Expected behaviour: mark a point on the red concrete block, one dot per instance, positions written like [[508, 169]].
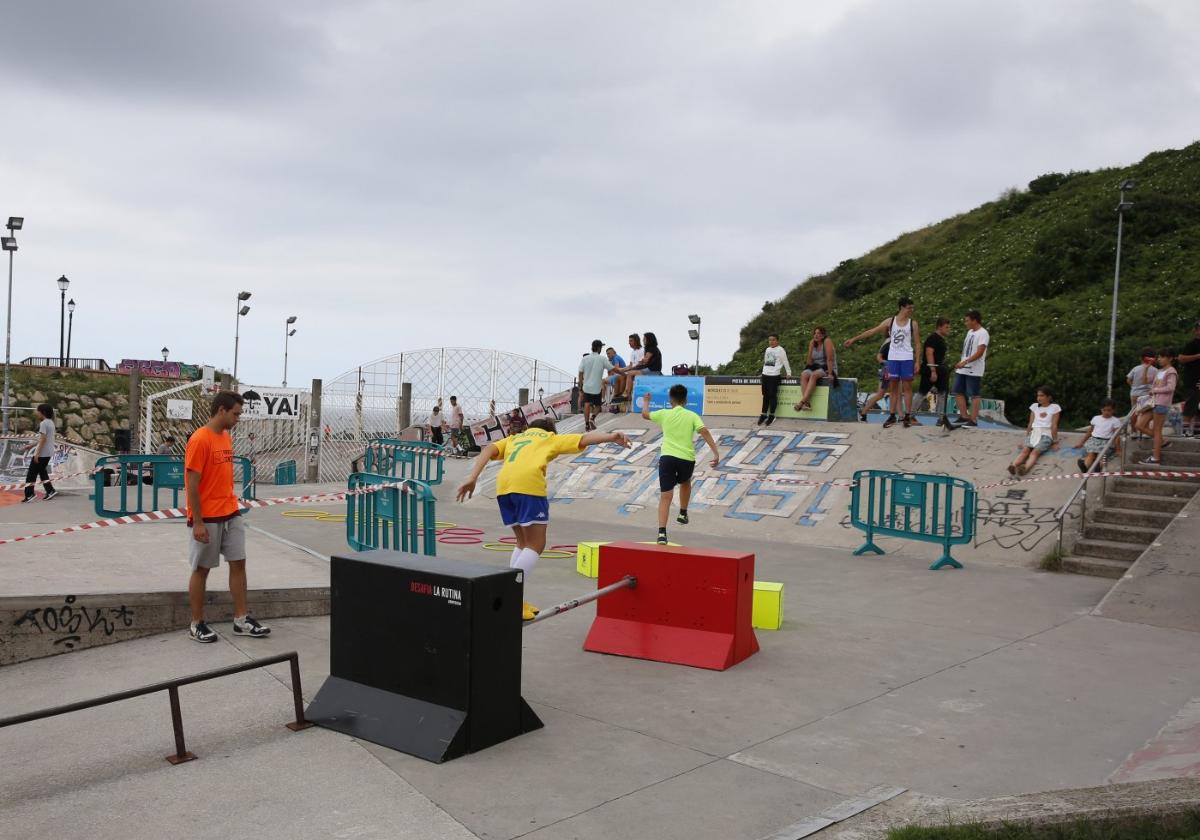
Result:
[[691, 606]]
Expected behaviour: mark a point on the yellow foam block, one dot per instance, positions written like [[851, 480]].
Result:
[[768, 605], [587, 558]]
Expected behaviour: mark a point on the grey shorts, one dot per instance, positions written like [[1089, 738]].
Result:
[[227, 539]]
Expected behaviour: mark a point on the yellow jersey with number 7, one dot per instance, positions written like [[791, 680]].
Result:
[[525, 457]]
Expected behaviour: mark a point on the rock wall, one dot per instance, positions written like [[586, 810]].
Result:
[[88, 407]]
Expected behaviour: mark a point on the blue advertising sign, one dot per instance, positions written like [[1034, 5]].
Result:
[[657, 387]]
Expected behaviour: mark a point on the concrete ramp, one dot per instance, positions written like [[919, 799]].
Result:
[[743, 498]]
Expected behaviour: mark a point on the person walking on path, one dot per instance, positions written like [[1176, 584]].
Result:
[[968, 377], [592, 369], [521, 486], [775, 364], [168, 444], [1162, 391], [820, 364], [458, 445], [215, 526], [1189, 363], [43, 451], [935, 376], [677, 457], [904, 335]]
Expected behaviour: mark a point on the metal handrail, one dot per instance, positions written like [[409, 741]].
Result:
[[172, 689], [1100, 459]]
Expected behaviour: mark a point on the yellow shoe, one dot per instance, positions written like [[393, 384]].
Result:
[[528, 611]]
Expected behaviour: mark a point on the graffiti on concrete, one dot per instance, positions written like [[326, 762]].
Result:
[[69, 621], [741, 487]]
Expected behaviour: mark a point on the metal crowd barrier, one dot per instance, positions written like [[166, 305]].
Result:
[[285, 472], [399, 518], [415, 459], [155, 473], [929, 508]]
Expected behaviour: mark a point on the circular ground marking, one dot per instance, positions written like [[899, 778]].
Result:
[[303, 514], [457, 531], [459, 539], [571, 547], [445, 524], [551, 554], [509, 540], [497, 546]]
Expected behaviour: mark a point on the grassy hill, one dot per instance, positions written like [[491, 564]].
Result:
[[1038, 263]]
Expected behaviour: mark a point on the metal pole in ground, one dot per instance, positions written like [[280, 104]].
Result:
[[627, 582]]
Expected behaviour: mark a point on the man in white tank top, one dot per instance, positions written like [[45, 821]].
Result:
[[904, 335]]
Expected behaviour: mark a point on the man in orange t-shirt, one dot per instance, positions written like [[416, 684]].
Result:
[[214, 518]]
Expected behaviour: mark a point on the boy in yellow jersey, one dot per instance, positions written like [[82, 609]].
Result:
[[521, 485], [677, 459]]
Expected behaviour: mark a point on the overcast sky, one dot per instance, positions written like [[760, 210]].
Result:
[[527, 175]]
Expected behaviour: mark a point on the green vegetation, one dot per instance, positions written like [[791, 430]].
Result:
[[88, 407], [1184, 826], [1038, 263], [1052, 560]]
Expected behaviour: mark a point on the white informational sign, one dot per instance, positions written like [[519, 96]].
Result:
[[179, 409], [209, 379], [270, 404]]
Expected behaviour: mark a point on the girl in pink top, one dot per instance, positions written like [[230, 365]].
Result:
[[1162, 391]]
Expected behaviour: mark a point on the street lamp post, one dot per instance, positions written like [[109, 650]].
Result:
[[241, 310], [70, 326], [9, 243], [287, 333], [63, 282], [166, 352], [694, 335], [1122, 206]]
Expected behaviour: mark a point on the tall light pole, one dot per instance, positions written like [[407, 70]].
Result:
[[166, 352], [1122, 206], [694, 335], [287, 333], [9, 243], [63, 282], [70, 326], [237, 325]]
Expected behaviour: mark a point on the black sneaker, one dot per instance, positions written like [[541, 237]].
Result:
[[51, 495], [908, 420], [1079, 462], [662, 538], [913, 420], [770, 419], [202, 633], [250, 626], [27, 499], [762, 418], [682, 518], [890, 421], [970, 424], [862, 415]]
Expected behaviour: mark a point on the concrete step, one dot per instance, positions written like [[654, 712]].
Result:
[[1172, 488], [1173, 456], [1139, 516], [1095, 566], [1145, 502], [1108, 549], [1121, 533]]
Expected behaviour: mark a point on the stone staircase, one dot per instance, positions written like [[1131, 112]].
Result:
[[1133, 511]]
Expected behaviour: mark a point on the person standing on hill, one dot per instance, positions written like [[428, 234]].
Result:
[[592, 369], [1162, 392], [968, 377], [935, 376], [904, 335], [775, 364], [43, 451], [1189, 363]]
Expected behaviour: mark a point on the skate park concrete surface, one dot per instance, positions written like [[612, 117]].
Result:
[[989, 681]]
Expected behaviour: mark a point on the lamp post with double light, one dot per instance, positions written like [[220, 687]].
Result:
[[63, 282], [1122, 207], [288, 332], [694, 335], [9, 243], [237, 326]]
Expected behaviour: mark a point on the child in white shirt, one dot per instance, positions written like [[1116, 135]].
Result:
[[1042, 430], [1104, 427]]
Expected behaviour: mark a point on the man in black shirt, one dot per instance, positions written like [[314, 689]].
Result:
[[1189, 364], [934, 373]]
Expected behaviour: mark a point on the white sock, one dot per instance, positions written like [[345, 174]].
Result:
[[526, 561], [512, 561]]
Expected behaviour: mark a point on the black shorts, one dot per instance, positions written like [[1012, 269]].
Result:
[[591, 399], [673, 471]]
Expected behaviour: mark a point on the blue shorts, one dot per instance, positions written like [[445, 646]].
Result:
[[522, 509], [901, 369], [1162, 409], [967, 385], [612, 380]]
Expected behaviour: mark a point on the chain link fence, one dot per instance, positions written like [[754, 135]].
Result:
[[369, 401]]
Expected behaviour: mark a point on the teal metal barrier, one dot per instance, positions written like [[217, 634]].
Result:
[[285, 472], [148, 475], [930, 508], [415, 459], [402, 519]]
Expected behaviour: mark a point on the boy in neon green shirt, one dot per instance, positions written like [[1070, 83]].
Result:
[[677, 459], [521, 485]]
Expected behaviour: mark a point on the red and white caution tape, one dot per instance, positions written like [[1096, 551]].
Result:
[[400, 447], [178, 513], [1118, 474], [53, 478]]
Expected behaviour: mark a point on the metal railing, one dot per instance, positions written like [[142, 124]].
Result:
[[158, 472], [415, 459], [1098, 464], [930, 508], [52, 361], [172, 688], [401, 517]]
